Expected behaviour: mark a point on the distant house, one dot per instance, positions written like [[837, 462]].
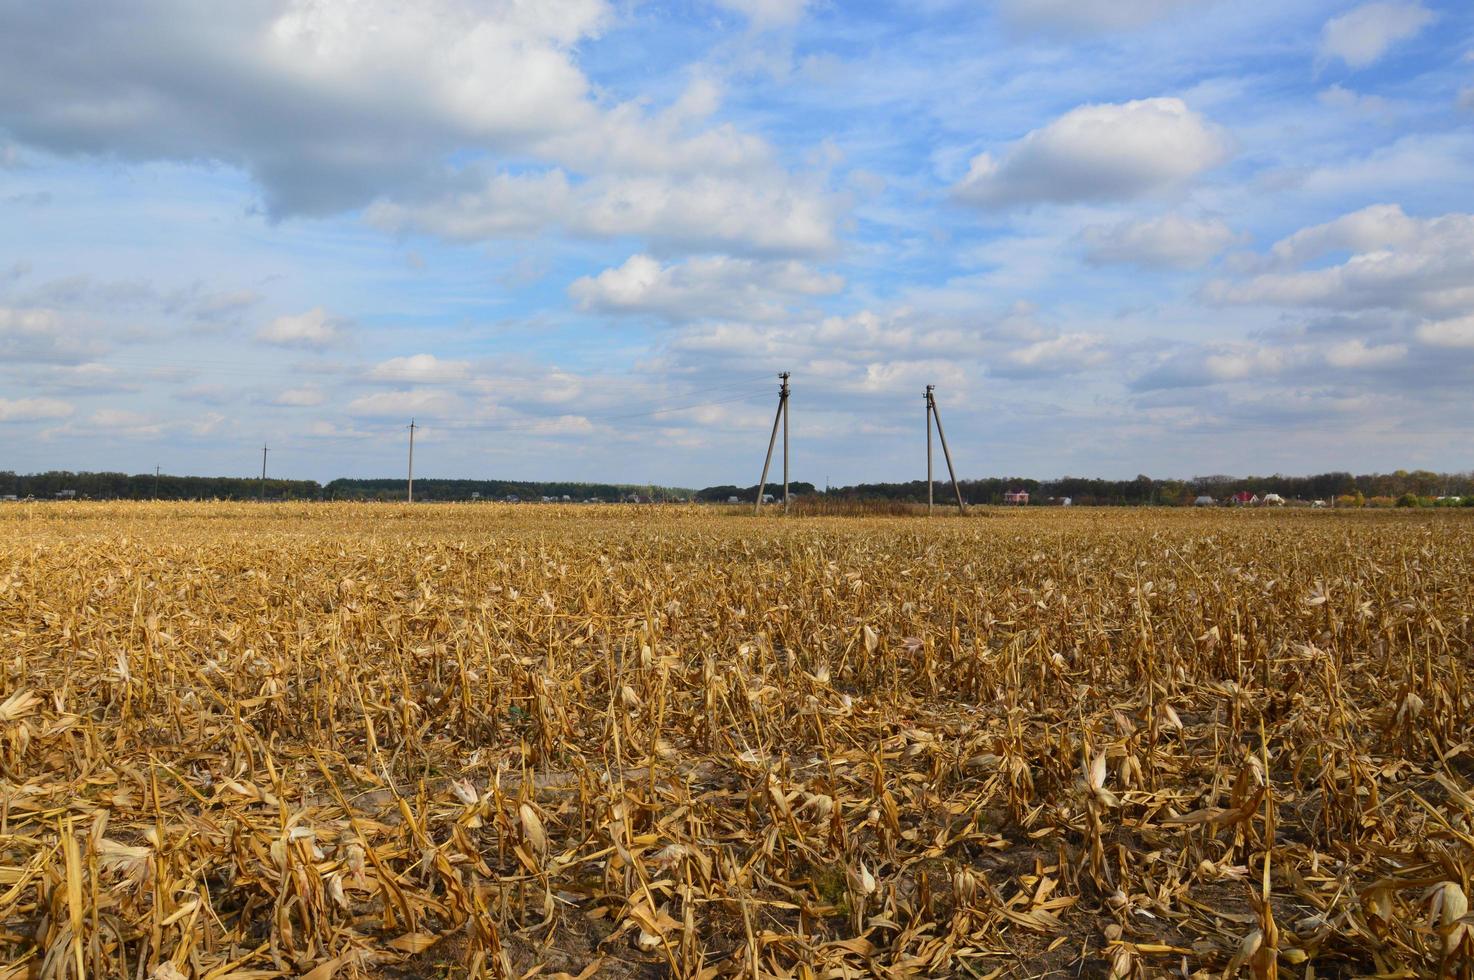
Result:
[[1271, 500], [734, 500], [66, 495], [1244, 499], [1017, 498], [1205, 501]]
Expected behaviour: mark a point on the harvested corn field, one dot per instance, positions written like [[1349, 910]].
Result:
[[378, 741]]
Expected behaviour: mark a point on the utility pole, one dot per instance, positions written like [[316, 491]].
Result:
[[929, 502], [411, 494], [933, 413], [784, 396], [263, 473], [781, 416], [156, 481]]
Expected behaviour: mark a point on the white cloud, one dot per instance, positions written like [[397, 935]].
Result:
[[1408, 165], [224, 305], [1218, 364], [767, 13], [324, 103], [122, 421], [304, 397], [403, 404], [32, 334], [701, 288], [207, 424], [1342, 98], [1362, 36], [1084, 16], [328, 430], [314, 329], [1066, 354], [1358, 353], [1457, 332], [1416, 265], [1374, 227], [420, 368], [1096, 153], [33, 409], [1171, 240], [769, 214], [330, 105]]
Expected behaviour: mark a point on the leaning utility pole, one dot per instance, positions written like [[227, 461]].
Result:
[[411, 494], [156, 482], [933, 414], [263, 473], [782, 416]]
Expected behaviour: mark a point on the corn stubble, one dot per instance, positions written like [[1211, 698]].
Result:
[[342, 741]]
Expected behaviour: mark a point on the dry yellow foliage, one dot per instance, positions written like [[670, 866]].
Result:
[[378, 741]]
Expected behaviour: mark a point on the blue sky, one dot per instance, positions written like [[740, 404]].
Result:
[[577, 239]]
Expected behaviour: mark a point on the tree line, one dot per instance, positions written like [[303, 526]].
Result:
[[148, 486], [1344, 488], [1340, 487]]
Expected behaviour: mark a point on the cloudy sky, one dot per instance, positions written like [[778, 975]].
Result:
[[578, 238]]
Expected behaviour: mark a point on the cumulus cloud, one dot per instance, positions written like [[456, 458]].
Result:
[[1362, 36], [1375, 227], [765, 216], [701, 288], [304, 397], [1066, 354], [119, 422], [322, 429], [1218, 363], [1456, 332], [1357, 353], [33, 409], [31, 334], [767, 13], [1099, 152], [322, 102], [1423, 266], [314, 329], [403, 404], [420, 368], [1087, 16], [330, 105], [1171, 241]]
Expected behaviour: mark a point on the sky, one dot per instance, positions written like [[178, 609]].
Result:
[[578, 239]]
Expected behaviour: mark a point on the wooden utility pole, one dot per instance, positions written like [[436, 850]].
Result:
[[263, 473], [411, 494], [933, 414], [156, 482], [781, 416]]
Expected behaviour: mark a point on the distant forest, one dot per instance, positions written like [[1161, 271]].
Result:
[[1376, 489]]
